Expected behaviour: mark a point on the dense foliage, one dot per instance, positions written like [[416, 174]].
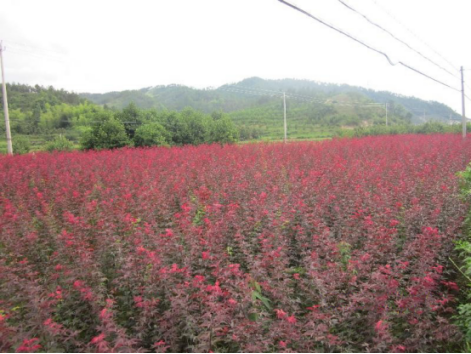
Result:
[[50, 113], [151, 134], [431, 127], [21, 145], [463, 263], [107, 133], [60, 143], [37, 109], [27, 97], [333, 246], [152, 128]]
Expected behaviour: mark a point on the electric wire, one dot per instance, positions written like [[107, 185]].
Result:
[[413, 34], [36, 52], [270, 92], [311, 99], [396, 38], [249, 91], [258, 89], [366, 45], [68, 121], [21, 52], [33, 48]]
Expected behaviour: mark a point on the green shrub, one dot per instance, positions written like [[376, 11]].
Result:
[[107, 133], [464, 309], [223, 130], [21, 145], [60, 143], [152, 134], [463, 248], [431, 127]]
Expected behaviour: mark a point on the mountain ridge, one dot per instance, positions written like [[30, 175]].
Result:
[[159, 97]]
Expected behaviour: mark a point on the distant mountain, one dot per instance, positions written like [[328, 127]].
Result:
[[257, 102]]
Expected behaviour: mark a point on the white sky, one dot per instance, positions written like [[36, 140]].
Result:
[[101, 46]]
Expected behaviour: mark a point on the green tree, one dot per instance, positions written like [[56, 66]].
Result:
[[21, 145], [195, 127], [223, 130], [132, 117], [60, 143], [151, 134], [108, 133], [174, 125]]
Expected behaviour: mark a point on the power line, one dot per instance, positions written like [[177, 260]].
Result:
[[260, 92], [245, 92], [338, 30], [66, 120], [396, 38], [240, 89], [366, 45], [469, 88], [411, 32], [266, 92], [258, 89], [279, 93], [431, 78], [20, 51], [33, 51], [33, 48]]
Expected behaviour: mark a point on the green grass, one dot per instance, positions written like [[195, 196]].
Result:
[[38, 142], [297, 131], [3, 147]]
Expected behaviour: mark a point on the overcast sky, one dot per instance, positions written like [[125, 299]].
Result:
[[101, 46]]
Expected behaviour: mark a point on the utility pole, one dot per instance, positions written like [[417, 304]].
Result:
[[284, 111], [5, 104], [463, 122]]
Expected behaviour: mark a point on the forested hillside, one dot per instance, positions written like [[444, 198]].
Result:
[[254, 93]]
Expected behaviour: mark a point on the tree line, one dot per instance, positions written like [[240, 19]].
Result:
[[135, 127], [64, 119]]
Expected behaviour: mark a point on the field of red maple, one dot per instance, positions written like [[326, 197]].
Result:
[[332, 246]]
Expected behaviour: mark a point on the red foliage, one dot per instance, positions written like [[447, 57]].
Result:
[[333, 246]]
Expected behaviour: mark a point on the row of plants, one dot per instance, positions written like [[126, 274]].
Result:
[[335, 246], [109, 132], [431, 127], [461, 259], [22, 144], [134, 127]]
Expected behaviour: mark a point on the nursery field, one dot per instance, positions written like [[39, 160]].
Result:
[[338, 245]]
